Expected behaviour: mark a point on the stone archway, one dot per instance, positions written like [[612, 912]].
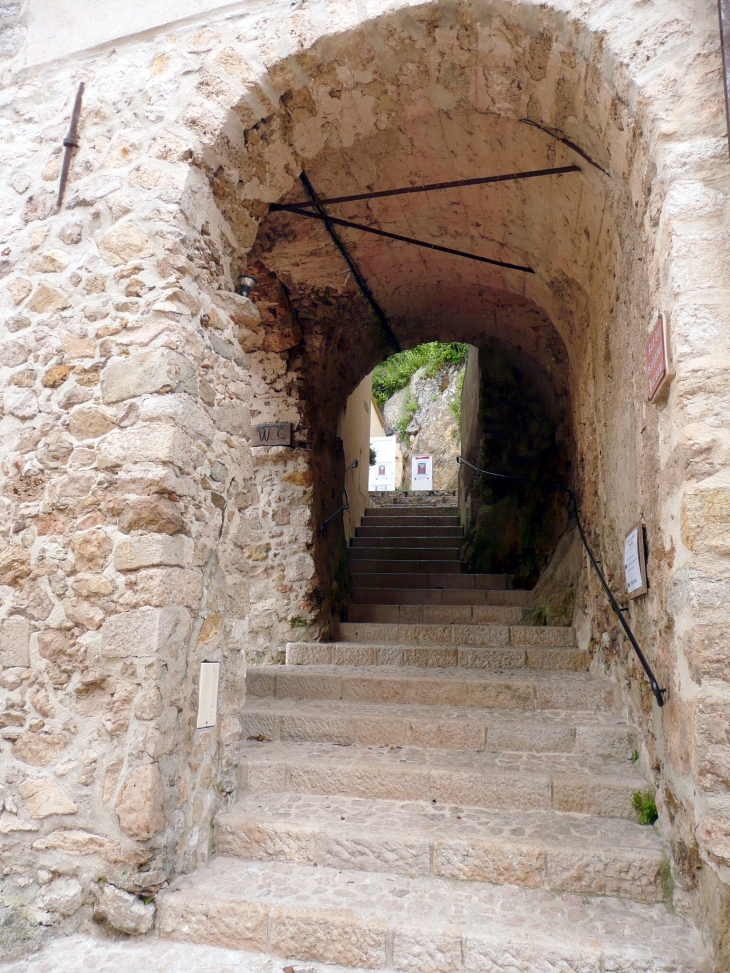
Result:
[[180, 542]]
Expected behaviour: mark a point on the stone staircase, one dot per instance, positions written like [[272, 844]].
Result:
[[442, 789]]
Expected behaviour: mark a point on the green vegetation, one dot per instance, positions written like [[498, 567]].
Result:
[[645, 806], [373, 457], [395, 372], [410, 407], [634, 756], [296, 621]]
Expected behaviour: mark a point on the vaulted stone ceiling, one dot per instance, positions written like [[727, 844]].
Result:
[[551, 224]]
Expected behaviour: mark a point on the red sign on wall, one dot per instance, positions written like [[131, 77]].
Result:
[[656, 359]]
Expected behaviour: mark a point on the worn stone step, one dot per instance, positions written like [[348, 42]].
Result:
[[386, 577], [434, 614], [409, 526], [428, 541], [509, 780], [412, 511], [421, 924], [348, 723], [496, 658], [527, 689], [457, 634], [409, 569], [437, 596], [534, 849]]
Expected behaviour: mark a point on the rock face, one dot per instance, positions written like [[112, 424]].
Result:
[[425, 415]]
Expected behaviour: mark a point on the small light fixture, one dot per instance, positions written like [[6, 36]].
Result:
[[245, 284]]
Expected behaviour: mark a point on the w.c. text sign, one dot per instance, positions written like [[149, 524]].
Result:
[[272, 434]]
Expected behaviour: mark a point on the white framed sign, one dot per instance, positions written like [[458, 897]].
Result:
[[635, 562], [422, 473], [208, 694]]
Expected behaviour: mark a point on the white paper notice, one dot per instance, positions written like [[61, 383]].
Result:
[[632, 562], [208, 694], [422, 473]]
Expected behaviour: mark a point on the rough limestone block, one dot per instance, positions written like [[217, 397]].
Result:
[[233, 924], [508, 862], [157, 371], [445, 734], [502, 657], [501, 694], [422, 950], [626, 872], [145, 632], [529, 736], [355, 655], [123, 911], [381, 731], [542, 635], [63, 895], [378, 850], [325, 729], [526, 792], [560, 660], [140, 803], [309, 653], [44, 798], [481, 634], [14, 642], [604, 796], [431, 656], [315, 934], [147, 443], [153, 550]]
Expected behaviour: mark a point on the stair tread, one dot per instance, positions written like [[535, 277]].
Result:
[[400, 673], [470, 915], [330, 707], [341, 813], [416, 758]]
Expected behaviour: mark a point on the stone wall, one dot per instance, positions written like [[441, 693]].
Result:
[[142, 532]]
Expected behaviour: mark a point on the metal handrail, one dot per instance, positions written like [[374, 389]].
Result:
[[619, 612], [345, 506]]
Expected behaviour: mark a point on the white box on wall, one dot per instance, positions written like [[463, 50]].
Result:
[[208, 694]]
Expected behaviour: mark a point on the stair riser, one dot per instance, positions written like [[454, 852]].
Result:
[[396, 512], [446, 634], [410, 569], [400, 578], [436, 597], [439, 657], [409, 552], [393, 542], [602, 796], [410, 527], [621, 872], [443, 734], [368, 941], [484, 693], [435, 614]]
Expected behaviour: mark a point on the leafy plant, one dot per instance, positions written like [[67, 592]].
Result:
[[645, 805], [410, 408], [634, 756], [395, 372], [373, 457], [297, 622]]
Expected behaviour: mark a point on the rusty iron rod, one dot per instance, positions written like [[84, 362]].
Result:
[[407, 239], [69, 143], [433, 187], [324, 216]]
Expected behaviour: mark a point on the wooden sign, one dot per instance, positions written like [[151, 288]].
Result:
[[635, 562], [272, 434], [657, 363]]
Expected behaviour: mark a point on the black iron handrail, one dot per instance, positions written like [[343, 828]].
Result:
[[619, 612], [345, 506]]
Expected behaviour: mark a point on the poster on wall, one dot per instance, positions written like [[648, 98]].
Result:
[[381, 477], [422, 473], [635, 562]]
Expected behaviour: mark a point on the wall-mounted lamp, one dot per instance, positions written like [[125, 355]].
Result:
[[246, 284]]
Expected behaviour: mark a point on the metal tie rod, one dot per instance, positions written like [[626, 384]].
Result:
[[405, 239], [430, 187]]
